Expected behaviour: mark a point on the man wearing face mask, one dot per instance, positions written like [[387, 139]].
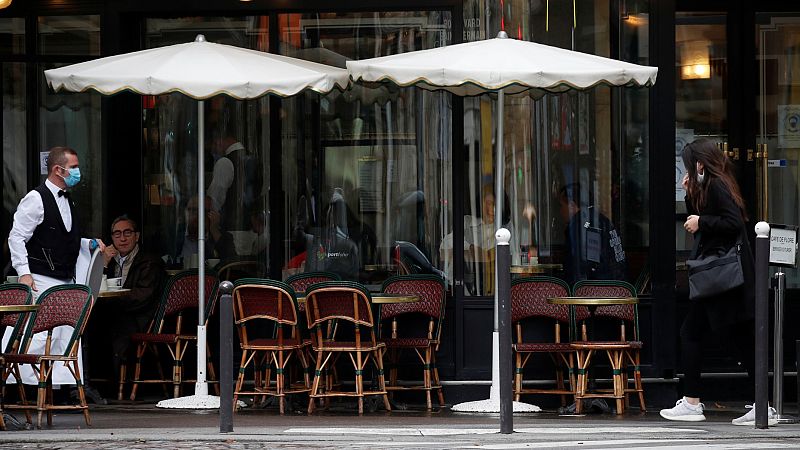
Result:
[[45, 241], [45, 238]]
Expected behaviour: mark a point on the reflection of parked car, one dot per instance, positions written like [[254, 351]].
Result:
[[411, 260]]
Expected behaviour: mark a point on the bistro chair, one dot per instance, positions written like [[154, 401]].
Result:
[[529, 303], [622, 353], [301, 281], [343, 302], [173, 327], [424, 342], [64, 305], [235, 270], [265, 305], [13, 294]]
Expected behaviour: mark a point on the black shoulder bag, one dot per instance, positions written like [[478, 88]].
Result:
[[715, 273]]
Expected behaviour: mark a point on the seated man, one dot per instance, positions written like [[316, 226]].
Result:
[[594, 247], [219, 244], [143, 274]]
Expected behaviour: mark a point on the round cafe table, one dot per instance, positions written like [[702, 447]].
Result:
[[112, 293], [12, 309], [585, 349], [378, 298], [529, 269]]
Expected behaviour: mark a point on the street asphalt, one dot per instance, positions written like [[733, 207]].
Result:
[[140, 426]]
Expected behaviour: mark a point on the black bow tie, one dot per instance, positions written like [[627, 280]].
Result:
[[64, 194]]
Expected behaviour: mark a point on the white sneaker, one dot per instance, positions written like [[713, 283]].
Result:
[[684, 411], [750, 417]]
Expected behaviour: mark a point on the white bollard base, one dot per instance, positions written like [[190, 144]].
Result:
[[492, 406]]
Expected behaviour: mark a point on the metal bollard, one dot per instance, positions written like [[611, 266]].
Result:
[[226, 358], [762, 324], [503, 236]]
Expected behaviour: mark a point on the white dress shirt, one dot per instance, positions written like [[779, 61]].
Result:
[[222, 177], [29, 215]]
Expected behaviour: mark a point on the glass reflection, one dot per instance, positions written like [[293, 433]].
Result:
[[367, 171]]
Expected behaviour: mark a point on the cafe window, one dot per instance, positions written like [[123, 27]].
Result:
[[575, 164], [15, 181], [367, 172], [236, 135], [69, 35], [72, 119], [12, 36]]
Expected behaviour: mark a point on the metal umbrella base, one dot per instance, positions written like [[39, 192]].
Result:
[[492, 404]]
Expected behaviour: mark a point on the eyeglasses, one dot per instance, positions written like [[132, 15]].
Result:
[[119, 233]]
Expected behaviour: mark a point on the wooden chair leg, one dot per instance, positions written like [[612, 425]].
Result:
[[240, 379], [123, 373], [437, 382], [315, 385], [517, 376], [378, 356], [212, 374], [427, 378], [76, 371], [137, 371]]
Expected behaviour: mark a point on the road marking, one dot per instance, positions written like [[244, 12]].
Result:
[[411, 431], [646, 444], [618, 443]]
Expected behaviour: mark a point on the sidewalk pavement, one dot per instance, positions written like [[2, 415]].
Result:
[[142, 426]]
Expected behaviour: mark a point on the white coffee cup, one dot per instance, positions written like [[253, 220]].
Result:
[[114, 283], [12, 279], [104, 283]]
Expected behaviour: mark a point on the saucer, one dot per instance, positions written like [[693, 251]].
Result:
[[114, 288]]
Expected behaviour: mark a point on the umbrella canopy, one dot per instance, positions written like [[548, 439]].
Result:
[[199, 69], [512, 65], [500, 65]]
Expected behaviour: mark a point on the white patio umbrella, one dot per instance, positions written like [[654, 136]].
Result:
[[501, 65], [199, 70]]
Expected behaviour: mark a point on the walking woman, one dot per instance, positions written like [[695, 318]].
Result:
[[717, 220]]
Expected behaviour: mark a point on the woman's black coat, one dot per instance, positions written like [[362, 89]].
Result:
[[721, 227]]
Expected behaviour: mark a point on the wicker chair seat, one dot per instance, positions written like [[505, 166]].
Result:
[[409, 342], [600, 345], [542, 347], [274, 344], [27, 358], [348, 346]]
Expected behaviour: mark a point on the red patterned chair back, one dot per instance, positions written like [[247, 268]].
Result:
[[529, 299], [261, 303], [429, 288], [14, 294], [609, 288], [334, 301], [255, 298], [181, 293], [67, 304], [301, 281]]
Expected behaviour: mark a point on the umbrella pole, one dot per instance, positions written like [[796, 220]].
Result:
[[492, 404], [494, 392], [201, 386]]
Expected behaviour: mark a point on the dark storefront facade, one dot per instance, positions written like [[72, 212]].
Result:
[[397, 178]]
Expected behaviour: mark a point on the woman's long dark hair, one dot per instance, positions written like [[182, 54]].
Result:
[[715, 165]]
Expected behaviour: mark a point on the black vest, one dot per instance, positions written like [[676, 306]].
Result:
[[52, 250]]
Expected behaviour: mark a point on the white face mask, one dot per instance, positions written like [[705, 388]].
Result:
[[700, 176]]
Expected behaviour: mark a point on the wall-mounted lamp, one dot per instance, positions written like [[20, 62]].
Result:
[[695, 60], [5, 4]]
